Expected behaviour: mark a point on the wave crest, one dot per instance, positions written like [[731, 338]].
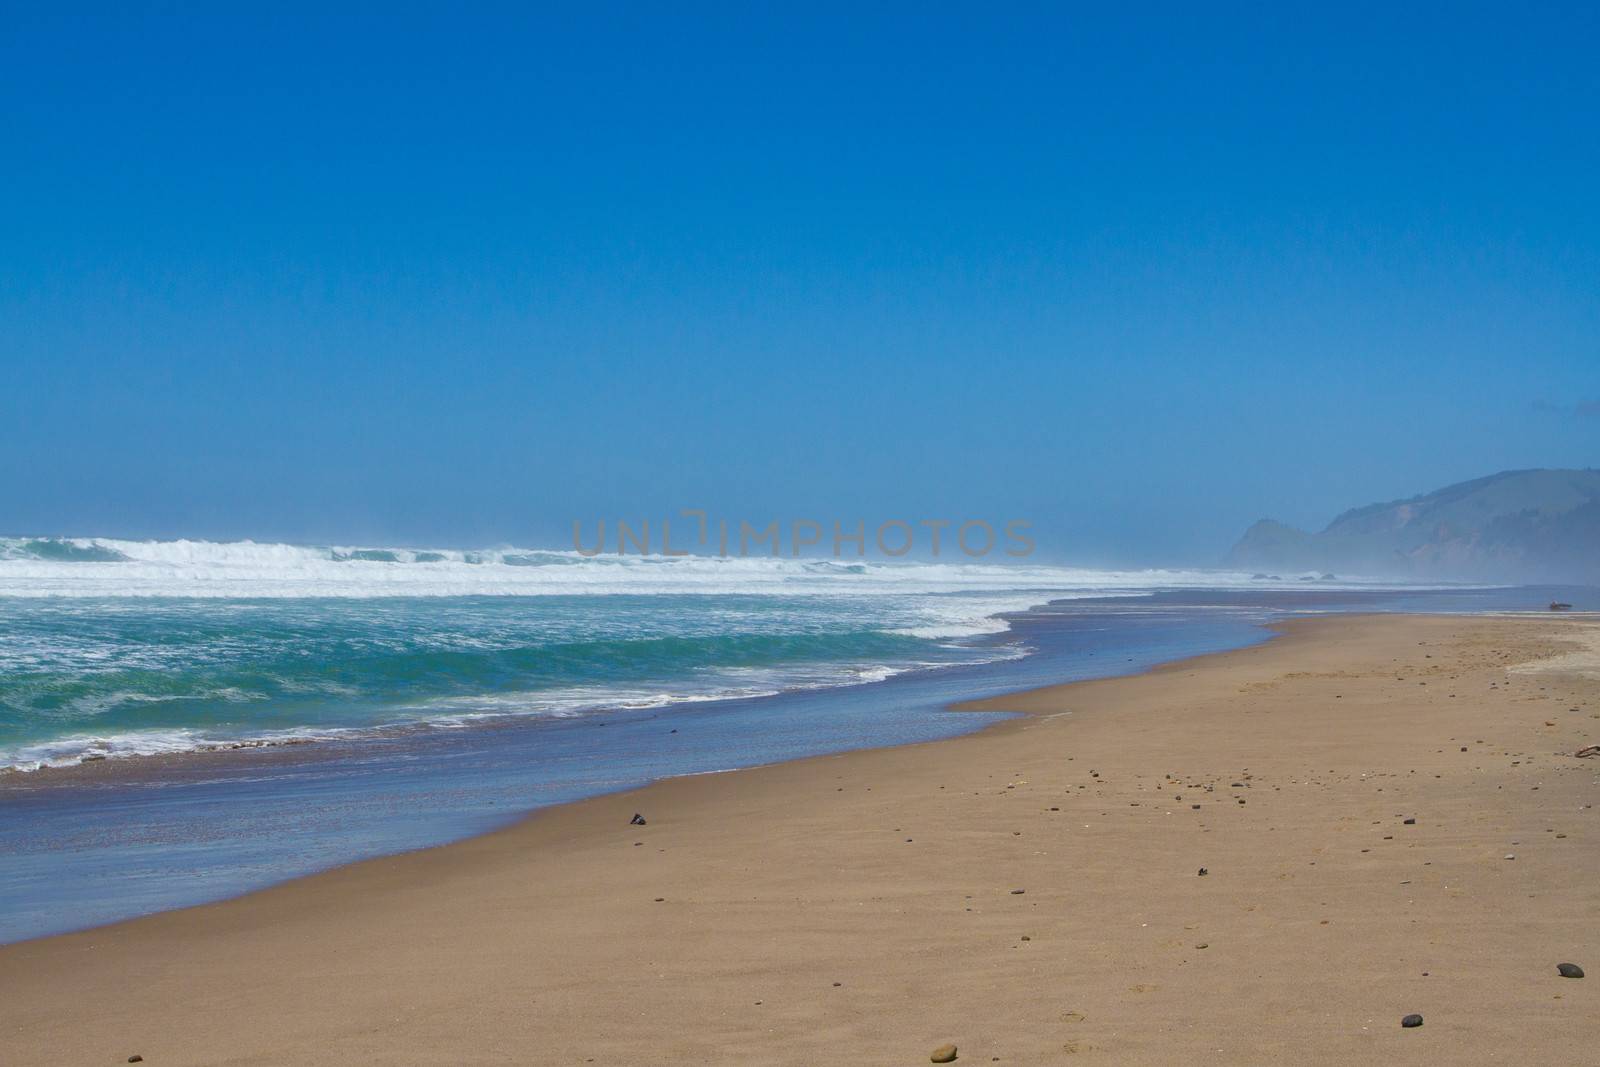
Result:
[[108, 567]]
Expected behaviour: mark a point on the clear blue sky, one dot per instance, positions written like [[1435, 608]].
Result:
[[463, 274]]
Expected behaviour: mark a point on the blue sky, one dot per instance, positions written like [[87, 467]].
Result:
[[465, 274]]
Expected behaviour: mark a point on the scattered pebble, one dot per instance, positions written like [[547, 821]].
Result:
[[1411, 1020], [1203, 872], [637, 820], [943, 1054], [1018, 892], [1569, 970]]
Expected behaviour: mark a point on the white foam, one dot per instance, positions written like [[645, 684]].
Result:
[[938, 601], [248, 569], [451, 713], [69, 751]]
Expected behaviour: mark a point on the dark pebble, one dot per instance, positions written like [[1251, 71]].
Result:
[[1411, 1020], [1018, 892], [1203, 872], [637, 820], [1410, 822], [1569, 970], [136, 1058]]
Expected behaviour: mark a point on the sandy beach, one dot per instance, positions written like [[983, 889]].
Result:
[[1031, 894]]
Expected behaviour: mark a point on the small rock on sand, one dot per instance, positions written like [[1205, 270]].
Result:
[[1411, 1020], [1018, 892], [1203, 872], [1569, 970], [136, 1058], [637, 820], [943, 1054]]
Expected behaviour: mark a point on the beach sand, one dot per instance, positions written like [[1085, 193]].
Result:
[[1030, 893]]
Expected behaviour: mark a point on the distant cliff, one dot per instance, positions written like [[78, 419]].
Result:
[[1535, 525]]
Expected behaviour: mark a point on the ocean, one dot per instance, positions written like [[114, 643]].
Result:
[[183, 721]]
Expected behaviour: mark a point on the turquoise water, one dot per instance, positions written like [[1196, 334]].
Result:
[[87, 678], [119, 649], [136, 836], [250, 713]]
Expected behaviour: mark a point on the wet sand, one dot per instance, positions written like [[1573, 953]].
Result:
[[865, 908]]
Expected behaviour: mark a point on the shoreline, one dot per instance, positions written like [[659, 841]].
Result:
[[361, 908], [273, 815], [332, 741]]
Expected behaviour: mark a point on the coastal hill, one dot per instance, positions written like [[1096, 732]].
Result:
[[1531, 525]]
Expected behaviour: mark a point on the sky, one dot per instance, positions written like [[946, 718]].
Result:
[[462, 274]]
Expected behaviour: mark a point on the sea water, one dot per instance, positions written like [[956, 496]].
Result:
[[253, 712]]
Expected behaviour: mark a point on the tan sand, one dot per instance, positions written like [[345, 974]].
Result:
[[860, 909]]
